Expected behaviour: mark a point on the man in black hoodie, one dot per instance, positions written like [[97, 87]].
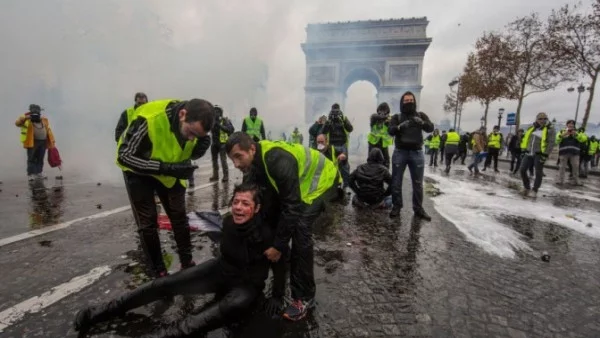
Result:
[[407, 128], [237, 276], [367, 182]]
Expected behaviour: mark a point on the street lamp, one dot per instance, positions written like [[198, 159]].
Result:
[[500, 112], [482, 121], [456, 83], [580, 90]]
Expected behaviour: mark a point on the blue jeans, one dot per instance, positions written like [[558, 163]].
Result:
[[343, 166], [35, 157], [415, 161], [476, 160]]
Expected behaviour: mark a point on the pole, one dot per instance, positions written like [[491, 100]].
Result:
[[459, 116], [456, 108], [577, 109], [499, 120]]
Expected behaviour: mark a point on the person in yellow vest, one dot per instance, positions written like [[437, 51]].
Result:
[[593, 151], [220, 132], [451, 148], [337, 128], [434, 146], [155, 154], [569, 148], [495, 142], [379, 136], [537, 143], [254, 126], [297, 182], [296, 137], [36, 136], [128, 115], [584, 157]]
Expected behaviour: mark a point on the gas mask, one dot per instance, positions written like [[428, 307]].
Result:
[[35, 117]]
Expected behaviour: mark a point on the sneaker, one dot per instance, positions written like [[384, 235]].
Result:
[[422, 214], [298, 309], [395, 212], [496, 170], [525, 192]]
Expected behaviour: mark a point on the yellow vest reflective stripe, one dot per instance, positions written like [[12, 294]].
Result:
[[165, 145], [434, 143], [223, 136], [494, 140], [253, 127], [380, 132], [452, 138], [525, 140], [316, 173]]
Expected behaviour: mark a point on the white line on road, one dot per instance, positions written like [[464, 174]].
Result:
[[34, 233], [38, 303]]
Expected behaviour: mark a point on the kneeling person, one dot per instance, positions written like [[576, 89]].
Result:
[[237, 277], [367, 182]]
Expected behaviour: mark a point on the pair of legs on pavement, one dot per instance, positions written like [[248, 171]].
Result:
[[216, 152], [415, 161], [35, 159], [492, 155]]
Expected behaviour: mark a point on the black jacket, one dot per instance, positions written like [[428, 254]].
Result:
[[368, 179], [242, 259], [335, 129], [136, 148], [410, 136], [122, 124], [463, 143], [314, 131], [222, 125], [281, 210]]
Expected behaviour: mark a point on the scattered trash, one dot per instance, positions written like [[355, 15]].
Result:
[[545, 256], [491, 193], [17, 195], [45, 243], [348, 244], [99, 206], [123, 256], [589, 225], [432, 190], [106, 292], [98, 184]]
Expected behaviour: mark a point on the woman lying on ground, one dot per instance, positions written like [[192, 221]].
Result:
[[236, 277]]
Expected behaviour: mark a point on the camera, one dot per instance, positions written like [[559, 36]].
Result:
[[35, 117]]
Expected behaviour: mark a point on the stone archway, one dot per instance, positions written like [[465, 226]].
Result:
[[387, 53]]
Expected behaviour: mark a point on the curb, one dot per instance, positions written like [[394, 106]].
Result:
[[555, 167]]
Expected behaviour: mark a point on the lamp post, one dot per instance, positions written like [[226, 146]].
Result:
[[500, 112], [482, 121], [452, 84], [580, 90]]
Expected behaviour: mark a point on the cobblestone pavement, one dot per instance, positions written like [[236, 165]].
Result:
[[375, 276]]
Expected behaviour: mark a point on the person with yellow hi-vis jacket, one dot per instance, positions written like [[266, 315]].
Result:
[[451, 148], [155, 154], [494, 144], [538, 141], [434, 147]]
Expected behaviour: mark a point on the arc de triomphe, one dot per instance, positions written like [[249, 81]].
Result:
[[387, 53]]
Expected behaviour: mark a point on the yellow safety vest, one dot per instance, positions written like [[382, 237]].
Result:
[[380, 132], [253, 127], [295, 138], [452, 138], [434, 143], [165, 145], [593, 148], [494, 140], [525, 140], [317, 174], [223, 137]]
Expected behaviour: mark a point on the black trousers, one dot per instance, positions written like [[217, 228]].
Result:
[[515, 160], [449, 157], [433, 154], [385, 151], [492, 154], [35, 157], [302, 278], [462, 154], [141, 190], [530, 161], [233, 301], [217, 151]]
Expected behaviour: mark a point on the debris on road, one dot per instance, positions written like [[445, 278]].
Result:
[[545, 256], [45, 243]]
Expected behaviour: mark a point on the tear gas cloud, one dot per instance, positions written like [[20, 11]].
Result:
[[84, 60]]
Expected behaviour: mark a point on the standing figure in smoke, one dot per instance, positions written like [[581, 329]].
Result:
[[379, 136], [220, 132], [127, 116], [337, 129], [254, 126], [36, 137]]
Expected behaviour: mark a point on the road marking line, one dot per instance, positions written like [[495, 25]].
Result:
[[34, 233], [38, 303]]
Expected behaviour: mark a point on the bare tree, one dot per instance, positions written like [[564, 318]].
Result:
[[575, 38], [486, 76], [533, 68]]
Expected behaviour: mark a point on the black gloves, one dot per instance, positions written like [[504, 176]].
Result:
[[182, 170], [418, 120], [273, 306]]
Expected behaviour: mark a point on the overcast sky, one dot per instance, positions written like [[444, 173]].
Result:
[[83, 60]]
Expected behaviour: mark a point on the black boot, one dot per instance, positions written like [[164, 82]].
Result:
[[225, 177], [87, 317], [209, 319], [215, 176], [422, 214], [395, 212]]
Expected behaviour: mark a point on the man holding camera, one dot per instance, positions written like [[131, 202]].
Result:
[[337, 128], [569, 146], [220, 132], [379, 136], [36, 137], [536, 145]]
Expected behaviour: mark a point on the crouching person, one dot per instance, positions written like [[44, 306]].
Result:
[[236, 277], [367, 182]]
